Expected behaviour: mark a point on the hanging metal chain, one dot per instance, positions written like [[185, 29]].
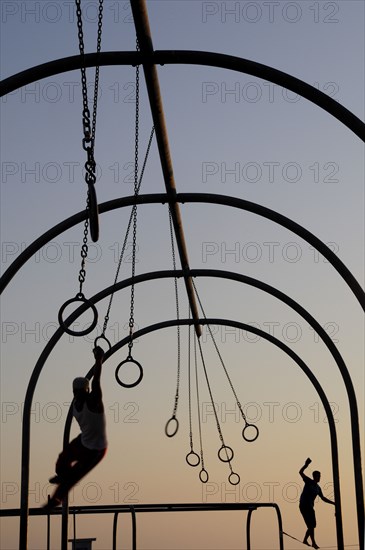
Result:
[[89, 128], [107, 315], [97, 70], [198, 403], [211, 395], [91, 219], [220, 357], [136, 147], [83, 253], [189, 394], [233, 477], [247, 426]]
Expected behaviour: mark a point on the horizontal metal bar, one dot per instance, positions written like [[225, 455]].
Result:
[[139, 508]]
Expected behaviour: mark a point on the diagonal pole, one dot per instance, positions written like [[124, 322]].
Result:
[[140, 15]]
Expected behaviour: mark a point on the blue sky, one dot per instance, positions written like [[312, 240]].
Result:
[[229, 134]]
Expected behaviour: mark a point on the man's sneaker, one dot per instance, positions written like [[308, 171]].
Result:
[[55, 480]]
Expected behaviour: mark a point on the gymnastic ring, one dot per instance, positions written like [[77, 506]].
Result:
[[102, 337], [133, 384], [193, 456], [230, 478], [227, 450], [79, 298], [203, 475], [93, 213], [172, 419], [250, 439]]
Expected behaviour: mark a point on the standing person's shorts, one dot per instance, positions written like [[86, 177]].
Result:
[[309, 515]]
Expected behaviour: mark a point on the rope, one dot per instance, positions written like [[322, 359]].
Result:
[[304, 544], [287, 534]]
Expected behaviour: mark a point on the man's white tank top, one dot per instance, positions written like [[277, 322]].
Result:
[[93, 428]]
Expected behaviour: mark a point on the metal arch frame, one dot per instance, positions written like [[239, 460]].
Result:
[[146, 57], [310, 238], [280, 345], [47, 350], [183, 198], [192, 57], [149, 59]]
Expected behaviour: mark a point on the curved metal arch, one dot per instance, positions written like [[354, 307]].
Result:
[[346, 117], [183, 198], [140, 278], [271, 339], [210, 59]]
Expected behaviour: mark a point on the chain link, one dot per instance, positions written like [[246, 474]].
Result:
[[96, 84], [134, 211], [89, 128], [106, 319]]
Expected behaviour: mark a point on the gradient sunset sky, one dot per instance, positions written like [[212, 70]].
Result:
[[230, 134]]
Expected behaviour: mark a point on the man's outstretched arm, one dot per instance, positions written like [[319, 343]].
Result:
[[95, 385], [325, 499]]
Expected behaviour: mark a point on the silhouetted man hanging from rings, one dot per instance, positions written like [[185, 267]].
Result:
[[310, 491], [84, 452]]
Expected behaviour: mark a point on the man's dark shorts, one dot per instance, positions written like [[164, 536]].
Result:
[[309, 516]]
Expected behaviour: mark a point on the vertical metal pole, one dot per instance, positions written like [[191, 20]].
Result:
[[65, 503], [24, 491], [134, 528], [64, 524], [280, 524], [48, 528], [248, 529], [115, 526]]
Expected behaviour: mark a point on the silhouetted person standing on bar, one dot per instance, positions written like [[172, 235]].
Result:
[[310, 491], [84, 452]]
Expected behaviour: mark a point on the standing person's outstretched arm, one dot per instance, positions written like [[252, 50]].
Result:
[[301, 471]]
